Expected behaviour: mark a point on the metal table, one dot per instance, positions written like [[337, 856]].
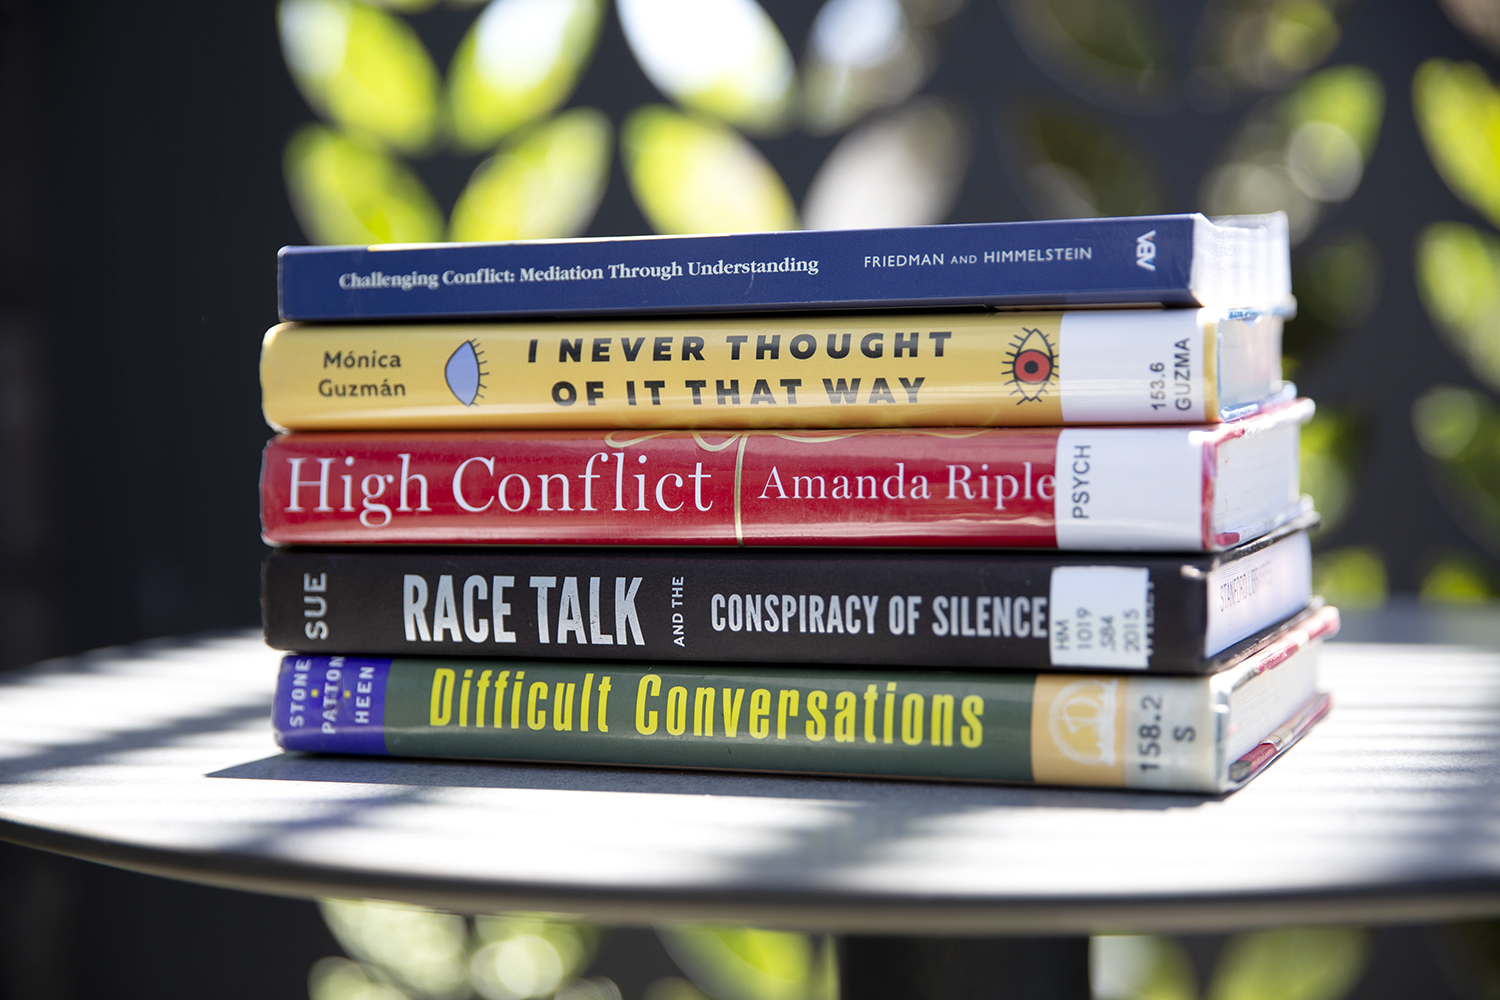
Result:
[[158, 758]]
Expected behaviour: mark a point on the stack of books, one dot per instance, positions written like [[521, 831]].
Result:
[[1008, 502]]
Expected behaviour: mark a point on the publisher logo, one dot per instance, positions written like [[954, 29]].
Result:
[[1081, 721], [1145, 251]]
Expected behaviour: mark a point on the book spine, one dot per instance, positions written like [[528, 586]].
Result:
[[921, 370], [1096, 730], [927, 610], [999, 488], [1083, 262]]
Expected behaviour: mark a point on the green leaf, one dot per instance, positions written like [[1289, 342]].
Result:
[[861, 55], [1458, 111], [422, 949], [1314, 963], [1336, 285], [336, 978], [362, 68], [1351, 98], [722, 57], [742, 963], [1459, 429], [1353, 578], [1111, 50], [518, 63], [348, 192], [1458, 276], [1332, 445], [1447, 419], [1457, 578], [1140, 967], [519, 955], [1075, 166], [1266, 44], [902, 169], [690, 174], [546, 185], [1300, 152], [1307, 963]]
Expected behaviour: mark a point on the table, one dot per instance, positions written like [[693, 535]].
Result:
[[158, 758]]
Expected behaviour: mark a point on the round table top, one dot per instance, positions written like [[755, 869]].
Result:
[[159, 758]]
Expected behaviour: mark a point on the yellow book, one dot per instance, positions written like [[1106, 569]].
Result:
[[972, 369]]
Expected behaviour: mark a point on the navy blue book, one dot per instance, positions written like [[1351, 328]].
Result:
[[1177, 260]]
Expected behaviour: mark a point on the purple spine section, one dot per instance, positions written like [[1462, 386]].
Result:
[[331, 704]]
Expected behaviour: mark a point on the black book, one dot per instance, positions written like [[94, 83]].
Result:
[[915, 609]]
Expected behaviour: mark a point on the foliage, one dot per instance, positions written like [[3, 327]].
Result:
[[1308, 963]]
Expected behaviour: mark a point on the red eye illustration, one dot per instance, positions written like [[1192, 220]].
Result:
[[1031, 365]]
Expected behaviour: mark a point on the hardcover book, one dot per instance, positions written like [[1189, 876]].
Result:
[[915, 610], [973, 369], [1188, 734], [1165, 488], [1162, 259]]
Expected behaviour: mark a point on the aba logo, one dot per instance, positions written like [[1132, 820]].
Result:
[[1030, 365], [1145, 251], [465, 372]]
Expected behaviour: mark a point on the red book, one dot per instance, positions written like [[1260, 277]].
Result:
[[1162, 488]]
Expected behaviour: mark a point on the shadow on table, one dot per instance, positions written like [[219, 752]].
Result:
[[925, 797]]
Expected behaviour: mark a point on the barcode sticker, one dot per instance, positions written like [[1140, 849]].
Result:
[[1099, 617]]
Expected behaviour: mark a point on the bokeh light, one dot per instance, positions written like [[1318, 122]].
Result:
[[336, 978], [420, 948], [411, 952], [904, 169], [1140, 967], [1480, 18], [1306, 963], [1301, 152], [547, 184], [744, 963], [1111, 52], [347, 191], [690, 174], [1074, 166], [518, 62], [863, 55], [363, 68], [1331, 448], [1337, 284], [723, 57], [1458, 111], [1456, 578], [1459, 429], [1458, 276], [1261, 45]]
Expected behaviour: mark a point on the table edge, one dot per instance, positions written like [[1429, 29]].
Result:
[[1407, 902]]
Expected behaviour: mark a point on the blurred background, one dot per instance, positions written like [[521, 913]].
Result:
[[153, 157]]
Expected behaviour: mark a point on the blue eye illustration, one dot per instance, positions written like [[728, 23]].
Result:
[[465, 373]]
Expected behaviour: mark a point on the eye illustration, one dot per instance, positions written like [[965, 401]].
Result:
[[465, 372], [1030, 365]]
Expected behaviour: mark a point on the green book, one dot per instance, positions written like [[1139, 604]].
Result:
[[1191, 734]]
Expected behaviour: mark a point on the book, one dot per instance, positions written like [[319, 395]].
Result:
[[848, 370], [927, 609], [1188, 734], [1070, 488], [1159, 259]]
